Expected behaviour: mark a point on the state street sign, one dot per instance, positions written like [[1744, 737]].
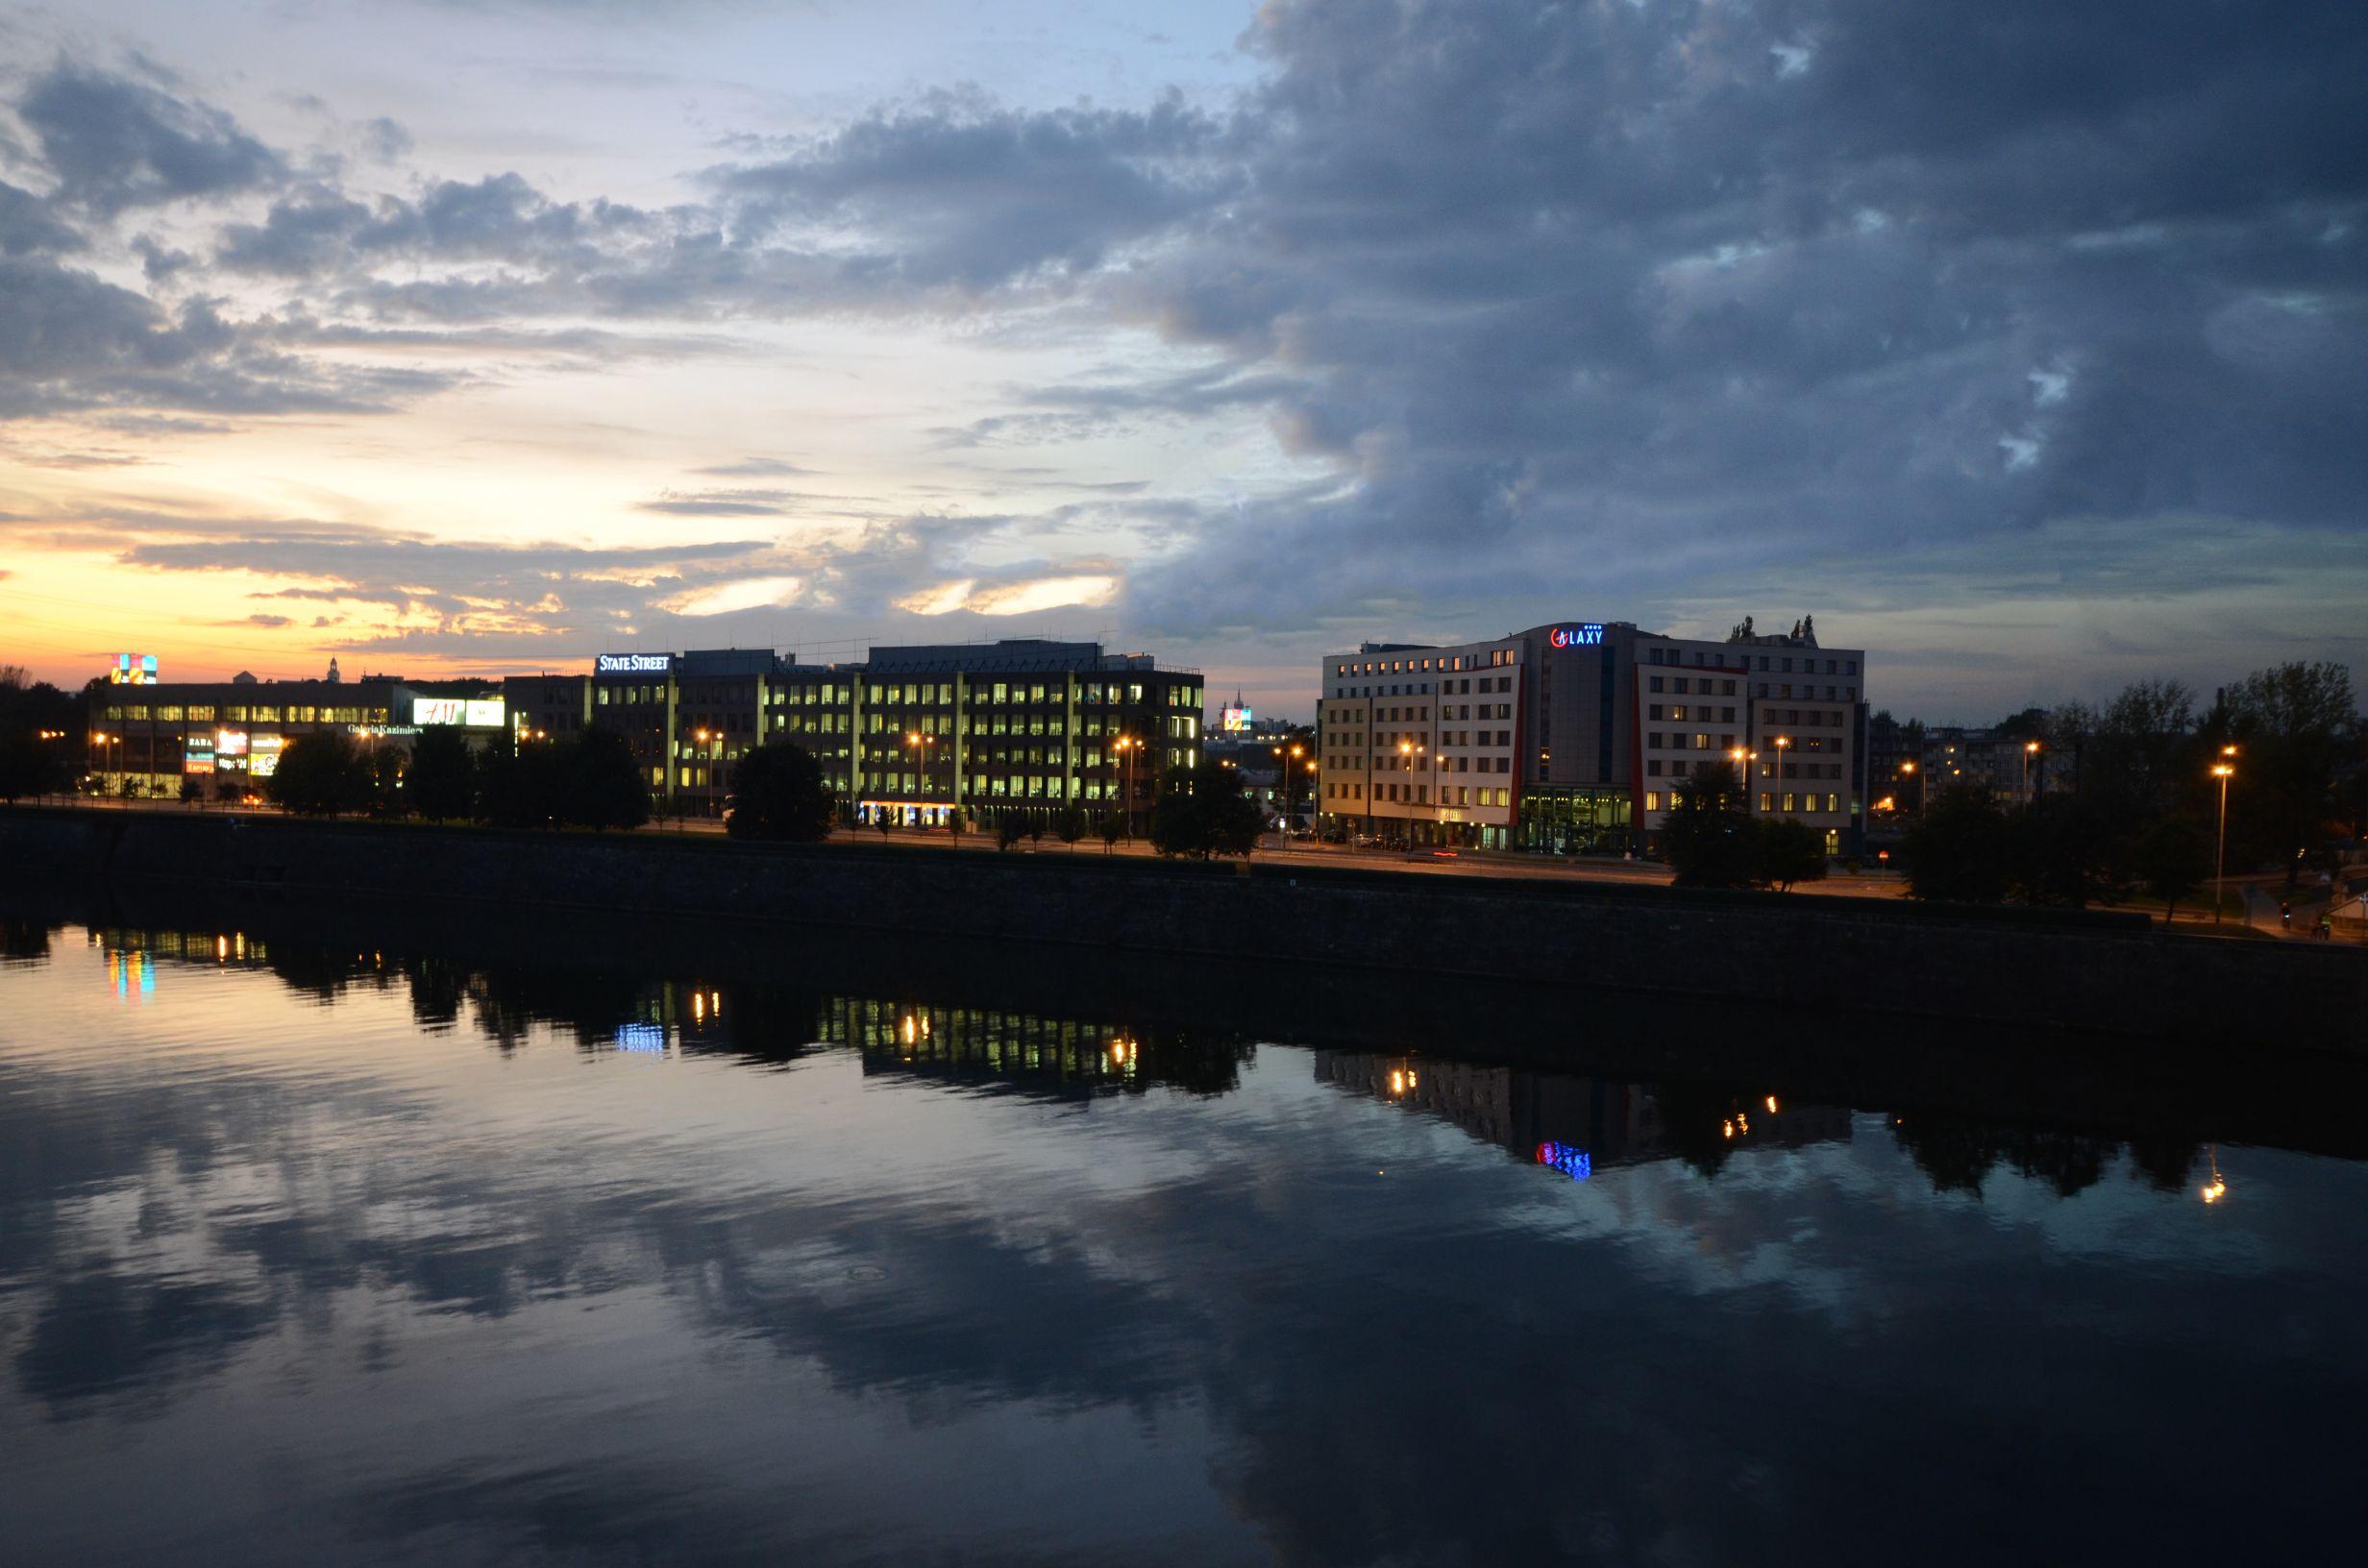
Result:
[[632, 664]]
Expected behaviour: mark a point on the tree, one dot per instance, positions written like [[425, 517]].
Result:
[[2294, 723], [2171, 859], [320, 776], [1112, 828], [191, 791], [1956, 850], [601, 784], [1008, 829], [1707, 836], [36, 721], [442, 781], [386, 767], [1203, 812], [778, 793], [1786, 850], [1070, 826], [2060, 851]]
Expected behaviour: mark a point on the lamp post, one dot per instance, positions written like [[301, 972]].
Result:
[[1126, 745], [2223, 771], [1906, 769], [1742, 757], [1782, 744], [919, 745], [2030, 750], [1286, 761], [1407, 751]]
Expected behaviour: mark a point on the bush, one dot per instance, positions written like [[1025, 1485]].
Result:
[[778, 793]]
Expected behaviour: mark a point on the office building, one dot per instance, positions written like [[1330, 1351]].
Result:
[[906, 734], [1578, 735]]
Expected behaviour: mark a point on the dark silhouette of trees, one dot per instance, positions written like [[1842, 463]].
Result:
[[37, 722], [1707, 836], [590, 779], [1712, 842], [1203, 812], [1784, 851], [442, 781], [1958, 851], [2295, 724], [2171, 859], [1070, 826], [322, 775], [778, 793]]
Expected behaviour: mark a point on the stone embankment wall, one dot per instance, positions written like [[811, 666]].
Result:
[[2098, 972]]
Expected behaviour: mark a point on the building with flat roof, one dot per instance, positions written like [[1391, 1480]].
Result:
[[147, 736], [906, 734], [1578, 735]]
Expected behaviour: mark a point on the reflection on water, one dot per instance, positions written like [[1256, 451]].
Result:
[[388, 1256]]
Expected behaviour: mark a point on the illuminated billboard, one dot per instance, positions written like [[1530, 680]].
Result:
[[264, 760], [1590, 635], [230, 743], [632, 664], [133, 670], [469, 712], [1233, 721]]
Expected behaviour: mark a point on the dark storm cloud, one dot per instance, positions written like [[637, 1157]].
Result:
[[115, 142], [26, 226], [959, 192]]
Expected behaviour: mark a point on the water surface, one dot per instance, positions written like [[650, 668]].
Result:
[[352, 1256]]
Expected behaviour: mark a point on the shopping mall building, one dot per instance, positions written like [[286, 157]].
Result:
[[151, 736]]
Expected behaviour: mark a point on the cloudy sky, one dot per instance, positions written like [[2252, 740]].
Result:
[[2024, 344]]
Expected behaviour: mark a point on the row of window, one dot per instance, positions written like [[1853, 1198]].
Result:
[[1494, 658], [1783, 663], [1676, 714], [173, 713], [1657, 799]]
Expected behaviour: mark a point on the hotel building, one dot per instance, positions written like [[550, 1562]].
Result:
[[1578, 734], [906, 734]]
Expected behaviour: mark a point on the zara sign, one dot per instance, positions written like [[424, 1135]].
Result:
[[1590, 635]]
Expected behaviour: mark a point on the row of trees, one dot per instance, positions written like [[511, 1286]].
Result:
[[2140, 814], [584, 780]]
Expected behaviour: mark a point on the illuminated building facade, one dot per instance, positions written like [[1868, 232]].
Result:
[[1578, 735], [907, 734], [229, 734]]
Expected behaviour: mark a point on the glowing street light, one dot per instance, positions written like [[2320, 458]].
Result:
[[1126, 745], [1782, 743], [2224, 769]]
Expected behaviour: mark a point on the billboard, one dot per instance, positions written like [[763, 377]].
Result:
[[263, 760], [230, 743], [1589, 635], [632, 664], [469, 712], [133, 670], [1233, 721]]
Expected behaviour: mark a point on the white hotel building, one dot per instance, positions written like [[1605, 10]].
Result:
[[1580, 733]]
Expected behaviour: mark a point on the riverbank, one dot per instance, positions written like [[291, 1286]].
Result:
[[2089, 972]]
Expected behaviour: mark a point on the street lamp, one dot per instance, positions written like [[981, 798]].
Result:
[[1782, 744], [1295, 753], [1126, 745], [2223, 771], [919, 745], [1742, 757], [1407, 750], [2030, 750]]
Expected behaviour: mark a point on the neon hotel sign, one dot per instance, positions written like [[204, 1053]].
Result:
[[1590, 635]]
